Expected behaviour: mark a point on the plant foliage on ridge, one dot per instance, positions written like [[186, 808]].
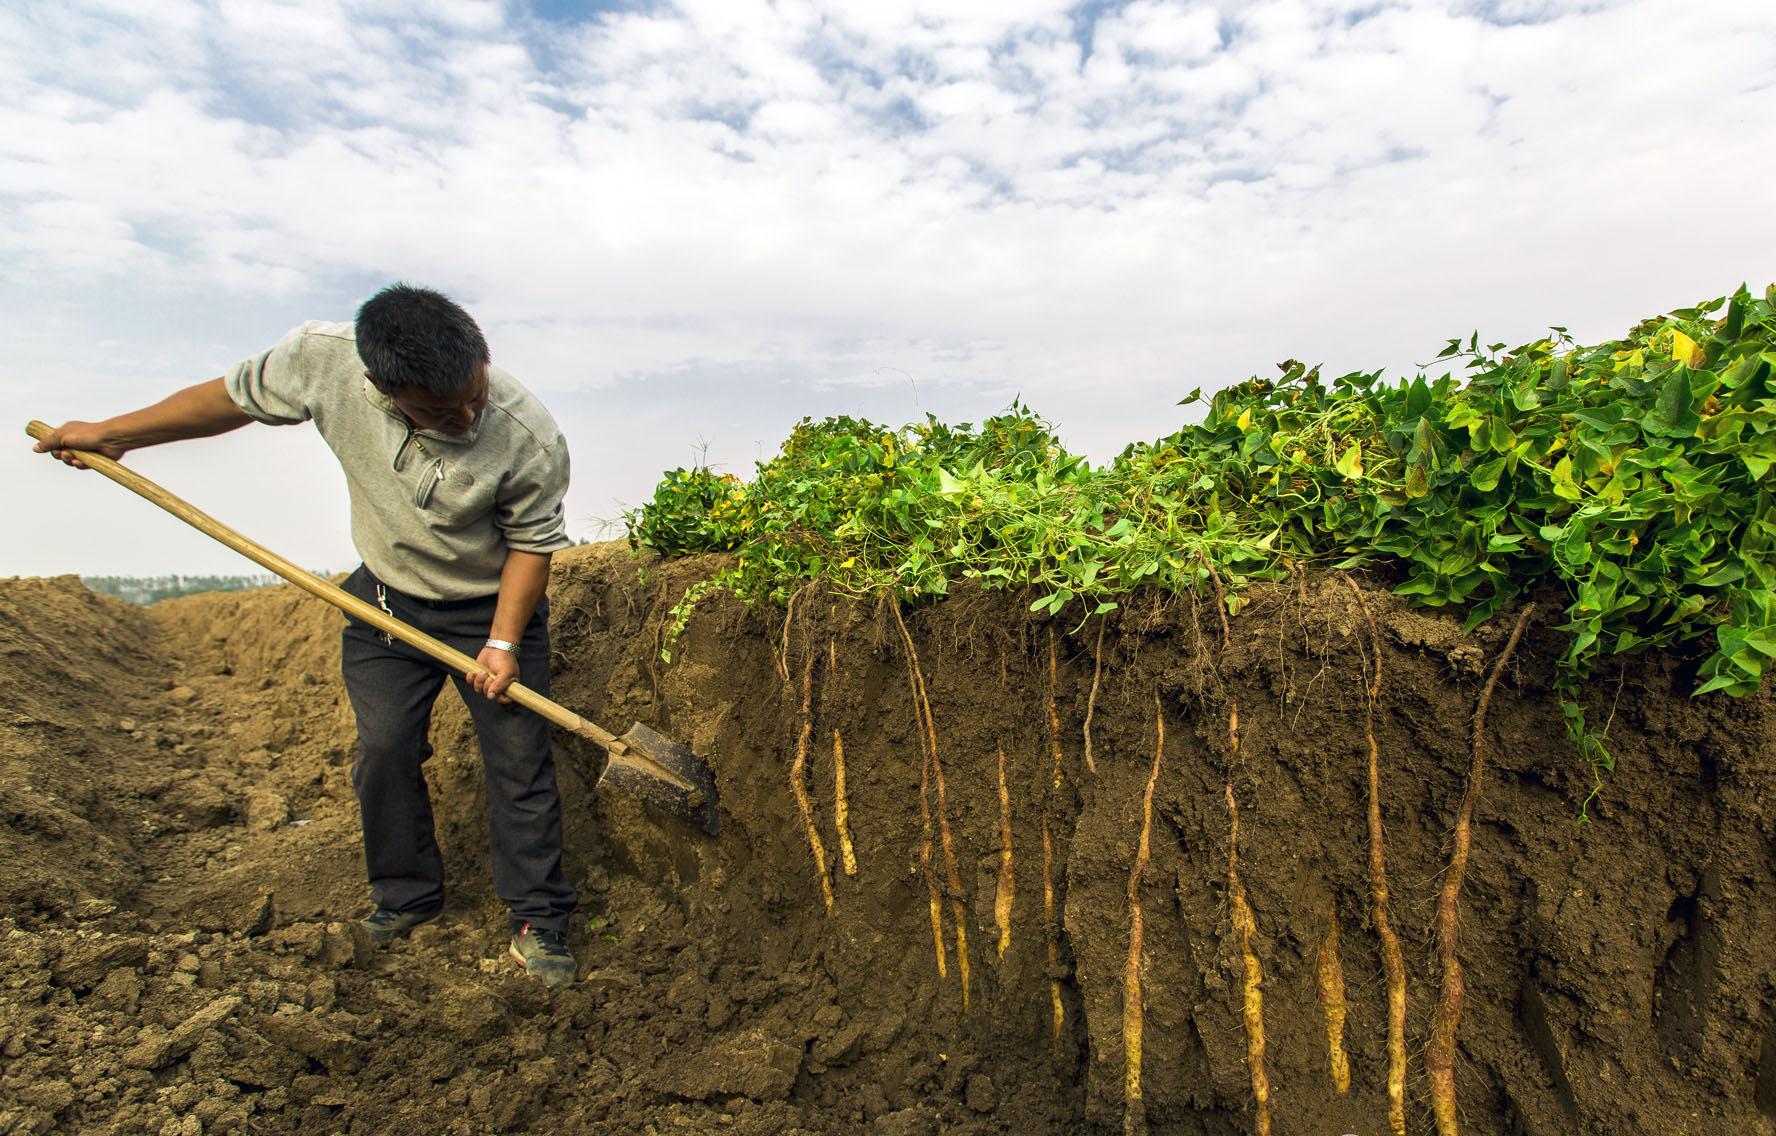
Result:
[[1631, 475]]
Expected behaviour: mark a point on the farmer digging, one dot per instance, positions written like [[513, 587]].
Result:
[[456, 475]]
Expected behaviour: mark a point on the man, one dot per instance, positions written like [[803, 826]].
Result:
[[456, 475]]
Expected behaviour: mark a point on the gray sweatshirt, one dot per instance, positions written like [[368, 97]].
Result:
[[433, 514]]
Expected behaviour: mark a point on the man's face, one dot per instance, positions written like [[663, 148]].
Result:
[[450, 414]]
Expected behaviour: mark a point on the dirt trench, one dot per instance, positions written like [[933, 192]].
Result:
[[181, 868]]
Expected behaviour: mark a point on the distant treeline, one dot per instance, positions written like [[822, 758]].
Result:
[[147, 589]]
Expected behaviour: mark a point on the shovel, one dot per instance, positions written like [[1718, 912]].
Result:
[[642, 763]]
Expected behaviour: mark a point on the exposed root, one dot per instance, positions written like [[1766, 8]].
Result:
[[1440, 1051], [934, 763], [1245, 927], [842, 807], [798, 775], [1393, 963], [1134, 1116], [957, 907], [1330, 976], [1054, 715], [1198, 649], [1052, 933], [927, 835], [1220, 600], [1002, 901], [783, 651], [937, 936], [841, 800], [1091, 700]]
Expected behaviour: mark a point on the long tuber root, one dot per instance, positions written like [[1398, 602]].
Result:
[[936, 903], [1440, 1051], [1330, 976], [1054, 715], [1393, 963], [842, 807], [1002, 900], [957, 907], [782, 658], [1051, 930], [841, 800], [1134, 1117], [798, 774], [934, 764], [927, 835], [1245, 926], [1091, 700]]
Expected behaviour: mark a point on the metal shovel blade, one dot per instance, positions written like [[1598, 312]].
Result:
[[658, 771]]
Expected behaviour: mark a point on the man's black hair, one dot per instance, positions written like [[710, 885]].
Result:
[[411, 337]]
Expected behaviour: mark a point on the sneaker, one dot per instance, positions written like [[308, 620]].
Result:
[[385, 925], [544, 955]]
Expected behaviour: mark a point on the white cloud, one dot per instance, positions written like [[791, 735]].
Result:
[[1096, 208]]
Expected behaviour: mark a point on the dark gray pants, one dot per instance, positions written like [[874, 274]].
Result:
[[392, 687]]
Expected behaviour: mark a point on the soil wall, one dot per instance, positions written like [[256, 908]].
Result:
[[1619, 972]]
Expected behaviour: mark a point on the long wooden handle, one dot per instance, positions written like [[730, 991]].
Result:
[[337, 596]]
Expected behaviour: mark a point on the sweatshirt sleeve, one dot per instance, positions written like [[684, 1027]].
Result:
[[273, 386], [529, 509]]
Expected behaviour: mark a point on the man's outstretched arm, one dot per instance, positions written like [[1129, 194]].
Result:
[[195, 412]]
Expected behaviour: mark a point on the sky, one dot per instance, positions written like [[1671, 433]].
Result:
[[687, 225]]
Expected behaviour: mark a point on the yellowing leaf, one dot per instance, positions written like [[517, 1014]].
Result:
[[1351, 464], [1685, 351], [1564, 487], [1245, 419]]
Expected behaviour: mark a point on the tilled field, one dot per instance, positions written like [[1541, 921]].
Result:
[[180, 872]]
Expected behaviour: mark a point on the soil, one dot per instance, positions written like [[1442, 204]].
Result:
[[180, 873]]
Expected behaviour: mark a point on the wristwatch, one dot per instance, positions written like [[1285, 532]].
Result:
[[502, 645]]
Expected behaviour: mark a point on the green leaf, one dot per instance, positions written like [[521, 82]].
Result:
[[1672, 415], [1485, 476], [1718, 682], [1728, 573]]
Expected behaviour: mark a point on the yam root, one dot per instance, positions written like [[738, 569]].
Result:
[[958, 908], [782, 659], [1329, 974], [1134, 1117], [798, 775], [842, 807], [1446, 1019], [1091, 699], [1245, 925], [1245, 929], [1003, 899], [928, 833], [1054, 714], [934, 764], [841, 799], [1393, 962], [1052, 934]]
